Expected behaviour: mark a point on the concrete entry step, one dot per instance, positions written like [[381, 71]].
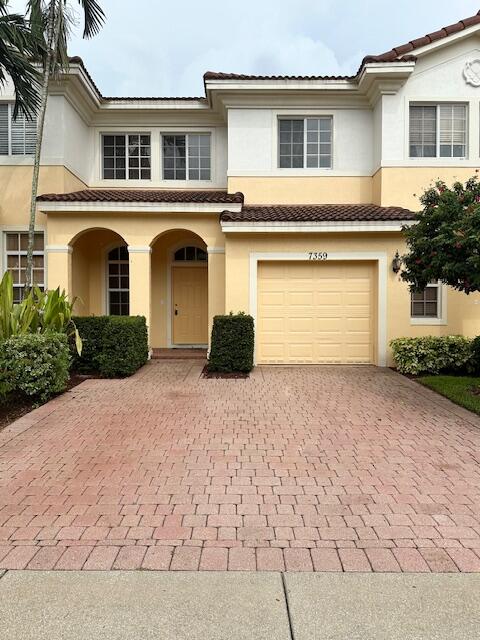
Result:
[[179, 354]]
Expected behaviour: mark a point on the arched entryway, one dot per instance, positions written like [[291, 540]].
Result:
[[179, 290], [100, 273]]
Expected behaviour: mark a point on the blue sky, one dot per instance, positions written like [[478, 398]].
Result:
[[154, 47]]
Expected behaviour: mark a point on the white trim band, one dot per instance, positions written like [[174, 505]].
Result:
[[379, 257], [58, 248], [139, 249], [139, 207], [215, 249], [311, 227]]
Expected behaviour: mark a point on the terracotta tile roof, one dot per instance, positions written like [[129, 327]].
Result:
[[146, 195], [217, 75], [317, 213], [403, 51]]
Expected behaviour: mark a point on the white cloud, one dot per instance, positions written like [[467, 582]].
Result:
[[152, 47]]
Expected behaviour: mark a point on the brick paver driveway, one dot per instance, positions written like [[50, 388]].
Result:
[[306, 468]]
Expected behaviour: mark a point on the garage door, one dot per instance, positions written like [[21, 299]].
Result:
[[315, 312]]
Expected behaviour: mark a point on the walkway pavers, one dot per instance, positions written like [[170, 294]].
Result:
[[296, 468]]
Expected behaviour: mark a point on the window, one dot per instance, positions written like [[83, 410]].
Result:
[[190, 254], [17, 137], [126, 156], [305, 142], [186, 155], [438, 131], [118, 282], [16, 245], [426, 303]]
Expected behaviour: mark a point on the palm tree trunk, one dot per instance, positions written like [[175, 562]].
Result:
[[52, 39]]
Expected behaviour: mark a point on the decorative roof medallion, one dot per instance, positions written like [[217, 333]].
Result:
[[471, 72]]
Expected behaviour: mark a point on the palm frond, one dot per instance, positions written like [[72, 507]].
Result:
[[18, 48], [94, 17]]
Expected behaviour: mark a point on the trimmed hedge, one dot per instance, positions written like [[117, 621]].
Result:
[[232, 343], [432, 354], [91, 330], [34, 364], [474, 364], [114, 346]]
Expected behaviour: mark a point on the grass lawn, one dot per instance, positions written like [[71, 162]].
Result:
[[458, 389]]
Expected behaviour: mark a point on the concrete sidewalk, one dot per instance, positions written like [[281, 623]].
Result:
[[139, 605]]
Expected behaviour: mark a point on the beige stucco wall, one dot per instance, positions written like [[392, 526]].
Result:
[[305, 190], [16, 187], [462, 312], [402, 186]]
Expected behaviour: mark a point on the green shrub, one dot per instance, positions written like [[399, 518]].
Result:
[[474, 364], [34, 364], [232, 343], [38, 312], [431, 354], [91, 330], [114, 346]]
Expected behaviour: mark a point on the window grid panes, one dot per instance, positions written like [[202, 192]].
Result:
[[186, 155], [191, 254], [16, 245], [126, 156], [438, 131], [305, 142], [426, 303], [17, 137], [453, 130], [118, 282]]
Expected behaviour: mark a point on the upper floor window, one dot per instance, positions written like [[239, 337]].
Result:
[[186, 156], [16, 256], [17, 137], [426, 303], [305, 142], [438, 131], [126, 156]]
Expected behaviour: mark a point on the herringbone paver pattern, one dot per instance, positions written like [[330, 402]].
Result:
[[297, 469]]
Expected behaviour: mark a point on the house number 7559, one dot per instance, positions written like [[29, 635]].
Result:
[[317, 255]]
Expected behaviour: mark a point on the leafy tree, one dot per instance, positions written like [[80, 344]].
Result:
[[444, 243], [18, 47], [51, 22]]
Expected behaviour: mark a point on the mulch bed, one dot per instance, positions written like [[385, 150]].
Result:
[[235, 375], [16, 405]]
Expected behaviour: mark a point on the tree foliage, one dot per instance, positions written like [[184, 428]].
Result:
[[19, 46], [444, 243]]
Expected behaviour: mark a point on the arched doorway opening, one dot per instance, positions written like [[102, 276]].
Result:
[[100, 273], [179, 290]]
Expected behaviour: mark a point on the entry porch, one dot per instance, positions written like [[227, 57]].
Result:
[[162, 261]]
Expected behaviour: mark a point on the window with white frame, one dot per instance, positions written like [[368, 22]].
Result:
[[118, 282], [16, 245], [305, 142], [17, 137], [186, 156], [126, 156], [426, 303], [438, 131]]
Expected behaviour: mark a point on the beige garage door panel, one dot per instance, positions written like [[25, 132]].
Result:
[[320, 312]]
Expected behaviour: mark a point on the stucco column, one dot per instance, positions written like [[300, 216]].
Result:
[[59, 267], [140, 282], [216, 284]]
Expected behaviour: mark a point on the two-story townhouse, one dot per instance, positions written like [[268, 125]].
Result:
[[280, 196]]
